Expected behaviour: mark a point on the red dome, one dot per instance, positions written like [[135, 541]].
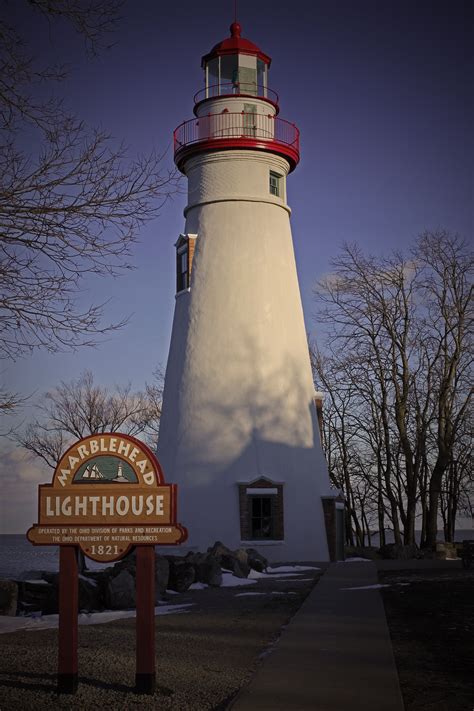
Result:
[[236, 44]]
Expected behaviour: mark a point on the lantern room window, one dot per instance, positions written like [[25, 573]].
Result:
[[235, 74], [261, 78], [212, 77], [229, 74]]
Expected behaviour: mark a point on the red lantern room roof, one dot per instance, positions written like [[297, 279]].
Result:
[[236, 44]]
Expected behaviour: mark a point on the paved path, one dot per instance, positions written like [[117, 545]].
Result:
[[335, 655]]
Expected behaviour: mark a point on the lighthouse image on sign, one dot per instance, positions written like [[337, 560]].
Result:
[[239, 429]]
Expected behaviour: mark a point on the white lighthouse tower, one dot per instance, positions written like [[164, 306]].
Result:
[[239, 430]]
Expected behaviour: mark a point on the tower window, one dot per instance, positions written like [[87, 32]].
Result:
[[275, 184], [184, 261], [182, 272]]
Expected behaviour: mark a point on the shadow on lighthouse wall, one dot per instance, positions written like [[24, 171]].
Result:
[[254, 405], [260, 422]]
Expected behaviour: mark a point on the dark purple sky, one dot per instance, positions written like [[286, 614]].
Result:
[[379, 89]]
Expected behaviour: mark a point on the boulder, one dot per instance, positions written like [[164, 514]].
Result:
[[218, 550], [446, 551], [235, 561], [162, 576], [8, 597], [182, 574], [242, 558], [120, 591], [392, 551], [99, 579], [361, 552], [52, 578], [90, 597], [129, 563], [256, 561], [33, 575], [206, 568], [37, 596]]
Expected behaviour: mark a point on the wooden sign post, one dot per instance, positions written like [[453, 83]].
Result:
[[108, 496], [145, 666], [68, 633]]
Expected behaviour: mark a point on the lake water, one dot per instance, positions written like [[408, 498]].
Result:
[[18, 555]]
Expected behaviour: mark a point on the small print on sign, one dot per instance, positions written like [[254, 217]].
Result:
[[105, 543]]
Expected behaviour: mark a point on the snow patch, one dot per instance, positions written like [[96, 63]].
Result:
[[37, 582], [230, 581], [92, 581], [291, 568], [278, 592], [367, 587], [256, 575], [45, 622]]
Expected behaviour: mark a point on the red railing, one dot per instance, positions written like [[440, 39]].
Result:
[[237, 89], [238, 129]]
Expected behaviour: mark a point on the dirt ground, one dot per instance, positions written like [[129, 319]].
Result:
[[203, 657], [431, 621]]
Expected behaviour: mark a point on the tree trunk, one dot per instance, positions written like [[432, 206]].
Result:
[[433, 502]]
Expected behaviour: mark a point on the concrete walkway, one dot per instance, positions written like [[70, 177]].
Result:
[[335, 655]]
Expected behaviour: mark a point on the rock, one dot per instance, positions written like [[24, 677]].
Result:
[[218, 550], [90, 597], [8, 597], [388, 552], [120, 592], [256, 561], [182, 574], [162, 576], [100, 580], [37, 596], [368, 552], [33, 575], [129, 563], [243, 560], [52, 578], [235, 561], [206, 568], [392, 551], [446, 551]]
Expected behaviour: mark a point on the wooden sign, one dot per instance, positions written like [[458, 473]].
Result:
[[108, 494]]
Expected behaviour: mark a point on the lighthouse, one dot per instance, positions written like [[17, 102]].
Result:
[[239, 430]]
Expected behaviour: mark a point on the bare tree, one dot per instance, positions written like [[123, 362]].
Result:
[[400, 337], [447, 327], [72, 209], [79, 408]]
